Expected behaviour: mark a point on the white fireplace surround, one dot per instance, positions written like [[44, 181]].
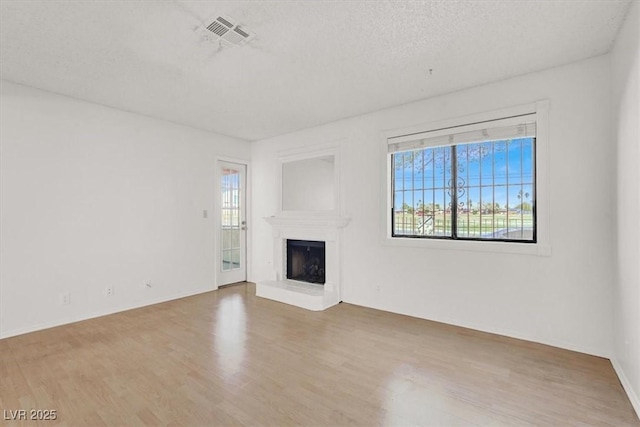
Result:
[[310, 296]]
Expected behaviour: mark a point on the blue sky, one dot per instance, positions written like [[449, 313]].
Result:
[[491, 172]]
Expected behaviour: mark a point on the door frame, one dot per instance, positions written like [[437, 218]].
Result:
[[217, 216]]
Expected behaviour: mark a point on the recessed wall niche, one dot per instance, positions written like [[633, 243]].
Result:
[[309, 184]]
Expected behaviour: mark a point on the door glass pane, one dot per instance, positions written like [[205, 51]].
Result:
[[226, 239], [235, 258], [226, 260], [235, 239], [230, 219]]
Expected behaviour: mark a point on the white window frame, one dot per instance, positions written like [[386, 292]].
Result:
[[542, 247]]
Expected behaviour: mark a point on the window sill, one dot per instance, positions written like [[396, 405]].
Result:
[[536, 249]]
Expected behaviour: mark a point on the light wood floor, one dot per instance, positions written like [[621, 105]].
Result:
[[230, 358]]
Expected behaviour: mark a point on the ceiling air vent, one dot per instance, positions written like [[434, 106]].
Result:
[[223, 29], [220, 26]]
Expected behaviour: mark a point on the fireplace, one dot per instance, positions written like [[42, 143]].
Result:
[[311, 237], [306, 261]]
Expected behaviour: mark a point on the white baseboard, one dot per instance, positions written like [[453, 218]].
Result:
[[633, 397], [105, 312], [592, 350], [631, 393]]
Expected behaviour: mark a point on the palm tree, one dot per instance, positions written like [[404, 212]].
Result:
[[523, 196]]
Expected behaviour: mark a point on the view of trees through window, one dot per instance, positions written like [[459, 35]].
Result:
[[487, 194]]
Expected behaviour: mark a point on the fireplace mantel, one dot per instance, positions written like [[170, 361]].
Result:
[[311, 221], [326, 228]]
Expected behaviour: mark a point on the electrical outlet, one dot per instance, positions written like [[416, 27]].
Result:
[[109, 291], [65, 298], [205, 214], [147, 284]]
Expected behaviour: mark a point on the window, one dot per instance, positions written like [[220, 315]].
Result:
[[472, 182]]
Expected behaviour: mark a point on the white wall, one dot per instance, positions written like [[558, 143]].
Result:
[[93, 196], [625, 60], [563, 299]]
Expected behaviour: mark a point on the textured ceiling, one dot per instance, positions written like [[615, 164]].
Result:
[[311, 62]]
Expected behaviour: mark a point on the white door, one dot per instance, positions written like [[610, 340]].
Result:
[[232, 239]]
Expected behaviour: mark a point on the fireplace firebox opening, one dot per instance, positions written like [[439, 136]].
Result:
[[306, 261]]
